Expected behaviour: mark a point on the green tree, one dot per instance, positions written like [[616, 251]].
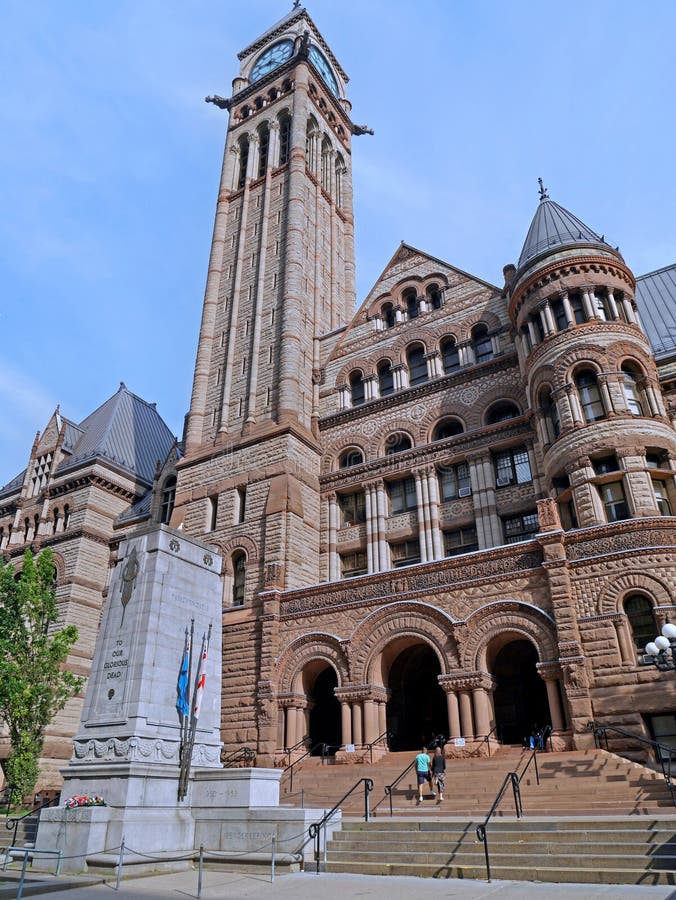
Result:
[[34, 686]]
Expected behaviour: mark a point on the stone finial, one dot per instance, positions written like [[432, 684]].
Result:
[[548, 515]]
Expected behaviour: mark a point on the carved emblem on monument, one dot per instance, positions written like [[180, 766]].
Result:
[[129, 574]]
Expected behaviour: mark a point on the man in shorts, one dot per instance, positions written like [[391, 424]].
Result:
[[423, 770], [439, 773]]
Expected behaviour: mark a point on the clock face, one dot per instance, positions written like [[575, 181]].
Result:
[[274, 56], [320, 63]]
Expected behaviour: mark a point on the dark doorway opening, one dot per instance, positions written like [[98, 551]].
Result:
[[325, 712], [520, 697], [416, 710]]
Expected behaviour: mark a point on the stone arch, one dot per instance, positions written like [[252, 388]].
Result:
[[543, 377], [317, 645], [418, 335], [615, 591], [593, 356], [60, 566], [445, 408], [406, 618], [479, 317], [381, 439], [333, 454], [361, 364], [241, 542], [507, 616]]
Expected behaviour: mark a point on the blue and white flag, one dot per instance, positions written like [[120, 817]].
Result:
[[182, 703]]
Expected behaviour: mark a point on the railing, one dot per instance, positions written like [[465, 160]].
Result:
[[514, 779], [495, 730], [324, 752], [663, 753], [315, 829], [242, 754], [12, 822], [301, 743], [390, 787], [384, 738]]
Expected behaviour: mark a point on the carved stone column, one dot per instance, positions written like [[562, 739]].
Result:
[[550, 674], [466, 721], [357, 732], [345, 722]]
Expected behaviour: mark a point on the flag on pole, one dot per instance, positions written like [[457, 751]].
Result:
[[201, 680], [182, 702]]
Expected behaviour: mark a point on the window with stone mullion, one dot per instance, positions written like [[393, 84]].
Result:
[[402, 495], [453, 479], [352, 508], [614, 501], [520, 528]]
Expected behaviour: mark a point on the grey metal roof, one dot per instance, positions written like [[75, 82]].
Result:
[[138, 510], [553, 226], [72, 435], [656, 301], [14, 485], [126, 431]]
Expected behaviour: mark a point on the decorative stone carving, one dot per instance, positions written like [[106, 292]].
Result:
[[548, 515]]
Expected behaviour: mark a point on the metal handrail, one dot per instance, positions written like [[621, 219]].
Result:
[[390, 787], [12, 822], [315, 829], [308, 752], [301, 743], [601, 731], [242, 754], [487, 738], [385, 736], [510, 778]]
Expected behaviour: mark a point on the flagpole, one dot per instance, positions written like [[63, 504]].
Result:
[[185, 723], [193, 721]]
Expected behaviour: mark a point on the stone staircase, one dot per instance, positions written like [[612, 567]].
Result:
[[572, 783], [621, 850]]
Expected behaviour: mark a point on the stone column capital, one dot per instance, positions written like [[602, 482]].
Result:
[[549, 671], [466, 681]]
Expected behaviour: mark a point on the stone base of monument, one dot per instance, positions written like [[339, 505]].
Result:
[[232, 813]]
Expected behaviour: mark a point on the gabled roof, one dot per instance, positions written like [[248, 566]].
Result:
[[14, 485], [553, 226], [124, 430], [656, 300]]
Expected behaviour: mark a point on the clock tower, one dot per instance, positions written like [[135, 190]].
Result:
[[281, 273]]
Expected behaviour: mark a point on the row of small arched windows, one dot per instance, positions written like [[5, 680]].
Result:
[[411, 307], [263, 135]]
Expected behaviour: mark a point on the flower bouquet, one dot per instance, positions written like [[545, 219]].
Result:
[[79, 802]]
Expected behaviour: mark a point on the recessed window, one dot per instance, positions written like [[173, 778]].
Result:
[[243, 160], [402, 495], [412, 303], [662, 497], [385, 379], [657, 459], [639, 612], [397, 443], [434, 296], [550, 413], [212, 512], [239, 578], [559, 314], [512, 467], [353, 564], [482, 344], [284, 140], [614, 501], [450, 355], [388, 315], [240, 504], [168, 498], [446, 428], [633, 393], [352, 508], [263, 146], [463, 540], [520, 528], [606, 464], [502, 412], [590, 396], [454, 482], [66, 516], [357, 393], [417, 365], [351, 457], [577, 306], [406, 553]]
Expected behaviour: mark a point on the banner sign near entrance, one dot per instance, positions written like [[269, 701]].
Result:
[[459, 742]]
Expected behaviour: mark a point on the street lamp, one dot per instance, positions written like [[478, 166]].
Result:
[[662, 651]]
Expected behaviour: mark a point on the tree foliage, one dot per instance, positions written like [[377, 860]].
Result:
[[34, 686]]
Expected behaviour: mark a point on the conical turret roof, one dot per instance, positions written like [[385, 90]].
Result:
[[553, 226]]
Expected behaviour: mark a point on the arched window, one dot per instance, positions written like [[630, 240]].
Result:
[[501, 412], [446, 428], [263, 147], [434, 296], [357, 388], [168, 497], [411, 302], [55, 519], [311, 137], [243, 160], [481, 344], [350, 457], [36, 525], [397, 443], [326, 164], [417, 364], [339, 175], [212, 512], [385, 379], [66, 516], [577, 306], [559, 313], [550, 412], [639, 612], [239, 577], [284, 139], [633, 393], [590, 396], [450, 355], [389, 317]]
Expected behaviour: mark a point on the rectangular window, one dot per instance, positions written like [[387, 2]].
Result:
[[269, 356], [662, 497], [407, 553], [267, 396], [464, 540], [559, 315], [240, 505], [240, 406], [614, 501], [578, 309], [352, 508], [606, 464], [212, 512], [512, 467], [274, 279], [352, 564], [454, 482], [520, 528], [402, 495]]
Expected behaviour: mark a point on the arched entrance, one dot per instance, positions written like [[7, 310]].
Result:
[[416, 710], [324, 717], [520, 697]]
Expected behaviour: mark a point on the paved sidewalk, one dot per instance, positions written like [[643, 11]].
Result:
[[307, 886]]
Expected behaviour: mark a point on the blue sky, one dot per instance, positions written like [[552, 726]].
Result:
[[110, 159]]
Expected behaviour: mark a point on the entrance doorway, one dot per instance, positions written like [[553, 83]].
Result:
[[520, 697], [416, 710], [324, 724]]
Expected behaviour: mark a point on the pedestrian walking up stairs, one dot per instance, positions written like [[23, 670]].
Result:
[[594, 817]]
